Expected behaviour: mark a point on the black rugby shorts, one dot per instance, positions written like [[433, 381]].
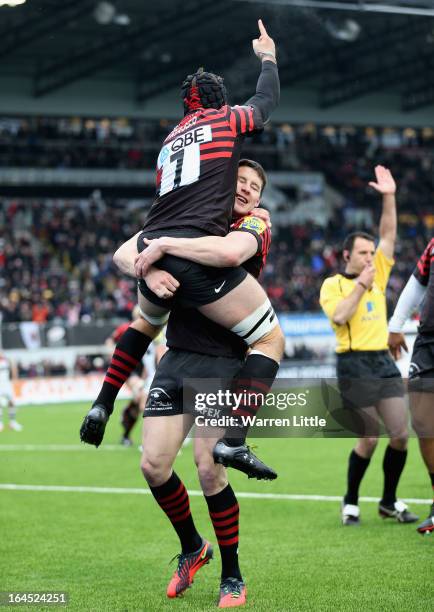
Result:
[[199, 285], [366, 377], [421, 370], [168, 394]]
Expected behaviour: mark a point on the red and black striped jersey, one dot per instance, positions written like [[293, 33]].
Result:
[[197, 170], [424, 272], [258, 228]]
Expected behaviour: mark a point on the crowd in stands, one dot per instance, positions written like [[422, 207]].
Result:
[[47, 142], [56, 261], [347, 156], [344, 153], [56, 255]]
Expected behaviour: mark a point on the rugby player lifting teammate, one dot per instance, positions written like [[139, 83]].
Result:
[[420, 287], [196, 177], [199, 348]]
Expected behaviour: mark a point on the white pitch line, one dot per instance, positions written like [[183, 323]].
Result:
[[125, 491], [60, 447]]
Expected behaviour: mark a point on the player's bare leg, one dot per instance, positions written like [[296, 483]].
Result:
[[239, 308], [212, 476], [394, 415], [161, 440], [422, 416]]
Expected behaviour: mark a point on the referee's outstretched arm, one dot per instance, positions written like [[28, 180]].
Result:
[[386, 185]]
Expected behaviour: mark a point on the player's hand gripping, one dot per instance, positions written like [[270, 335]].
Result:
[[397, 342], [385, 182], [146, 258], [366, 277], [264, 46], [162, 283]]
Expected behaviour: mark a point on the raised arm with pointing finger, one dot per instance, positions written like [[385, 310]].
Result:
[[267, 93]]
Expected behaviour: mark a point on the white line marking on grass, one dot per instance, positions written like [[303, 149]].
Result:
[[61, 447], [125, 491]]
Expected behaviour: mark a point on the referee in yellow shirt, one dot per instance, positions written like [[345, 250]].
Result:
[[368, 379]]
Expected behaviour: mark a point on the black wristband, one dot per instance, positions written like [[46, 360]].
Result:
[[363, 285]]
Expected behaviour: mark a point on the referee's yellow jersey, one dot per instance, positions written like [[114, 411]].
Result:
[[367, 328]]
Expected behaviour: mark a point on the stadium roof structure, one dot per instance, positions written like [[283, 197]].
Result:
[[340, 49]]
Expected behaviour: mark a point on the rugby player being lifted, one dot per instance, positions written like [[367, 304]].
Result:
[[196, 178]]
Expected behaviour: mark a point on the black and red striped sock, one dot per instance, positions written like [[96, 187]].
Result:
[[127, 354], [224, 512], [172, 497], [252, 384]]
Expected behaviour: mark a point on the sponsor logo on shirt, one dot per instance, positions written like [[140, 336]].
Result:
[[253, 223]]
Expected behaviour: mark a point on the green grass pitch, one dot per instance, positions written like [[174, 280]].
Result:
[[111, 551]]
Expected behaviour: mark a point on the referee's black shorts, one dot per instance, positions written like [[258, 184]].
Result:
[[168, 394], [366, 377], [421, 370], [199, 285]]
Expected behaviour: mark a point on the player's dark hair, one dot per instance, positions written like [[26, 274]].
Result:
[[250, 163], [349, 241], [203, 90]]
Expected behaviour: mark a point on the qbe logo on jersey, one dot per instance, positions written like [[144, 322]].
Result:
[[179, 161]]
